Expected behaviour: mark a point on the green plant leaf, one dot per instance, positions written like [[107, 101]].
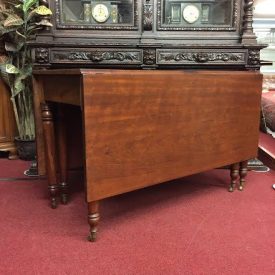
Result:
[[4, 30], [33, 29], [7, 12], [19, 86], [10, 47], [27, 70], [20, 34], [13, 20], [20, 45], [14, 47], [19, 6], [28, 4], [11, 69], [4, 74], [20, 82], [42, 10], [44, 22]]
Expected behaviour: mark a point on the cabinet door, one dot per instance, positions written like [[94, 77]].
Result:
[[197, 14], [94, 14]]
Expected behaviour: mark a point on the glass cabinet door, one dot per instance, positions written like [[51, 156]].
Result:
[[96, 13], [196, 13]]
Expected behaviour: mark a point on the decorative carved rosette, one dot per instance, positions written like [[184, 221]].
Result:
[[149, 56], [254, 57], [41, 55]]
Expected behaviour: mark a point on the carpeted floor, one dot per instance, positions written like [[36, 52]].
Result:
[[189, 226]]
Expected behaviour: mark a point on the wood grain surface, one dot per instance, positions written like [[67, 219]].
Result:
[[147, 127], [7, 122]]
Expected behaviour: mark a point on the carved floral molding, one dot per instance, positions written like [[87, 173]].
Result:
[[200, 57], [99, 56]]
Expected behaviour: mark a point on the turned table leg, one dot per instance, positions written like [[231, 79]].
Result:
[[62, 153], [234, 174], [93, 219], [243, 174], [49, 139]]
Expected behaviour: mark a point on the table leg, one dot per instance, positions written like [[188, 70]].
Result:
[[62, 153], [93, 219], [49, 139], [243, 174], [234, 174]]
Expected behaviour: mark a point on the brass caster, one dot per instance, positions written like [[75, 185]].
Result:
[[64, 199], [92, 237], [53, 203], [240, 188], [63, 187], [231, 188]]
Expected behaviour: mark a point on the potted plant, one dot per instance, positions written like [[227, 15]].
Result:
[[19, 21]]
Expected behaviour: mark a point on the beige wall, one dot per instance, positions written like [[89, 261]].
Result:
[[264, 8]]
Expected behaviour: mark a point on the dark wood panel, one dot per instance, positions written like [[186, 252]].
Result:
[[7, 122], [143, 128], [56, 90], [68, 89], [38, 98]]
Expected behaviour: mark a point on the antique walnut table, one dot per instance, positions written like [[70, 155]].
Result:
[[144, 127]]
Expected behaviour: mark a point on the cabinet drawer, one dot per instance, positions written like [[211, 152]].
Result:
[[96, 56], [201, 57]]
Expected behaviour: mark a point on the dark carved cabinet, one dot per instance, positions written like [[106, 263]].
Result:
[[148, 34]]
